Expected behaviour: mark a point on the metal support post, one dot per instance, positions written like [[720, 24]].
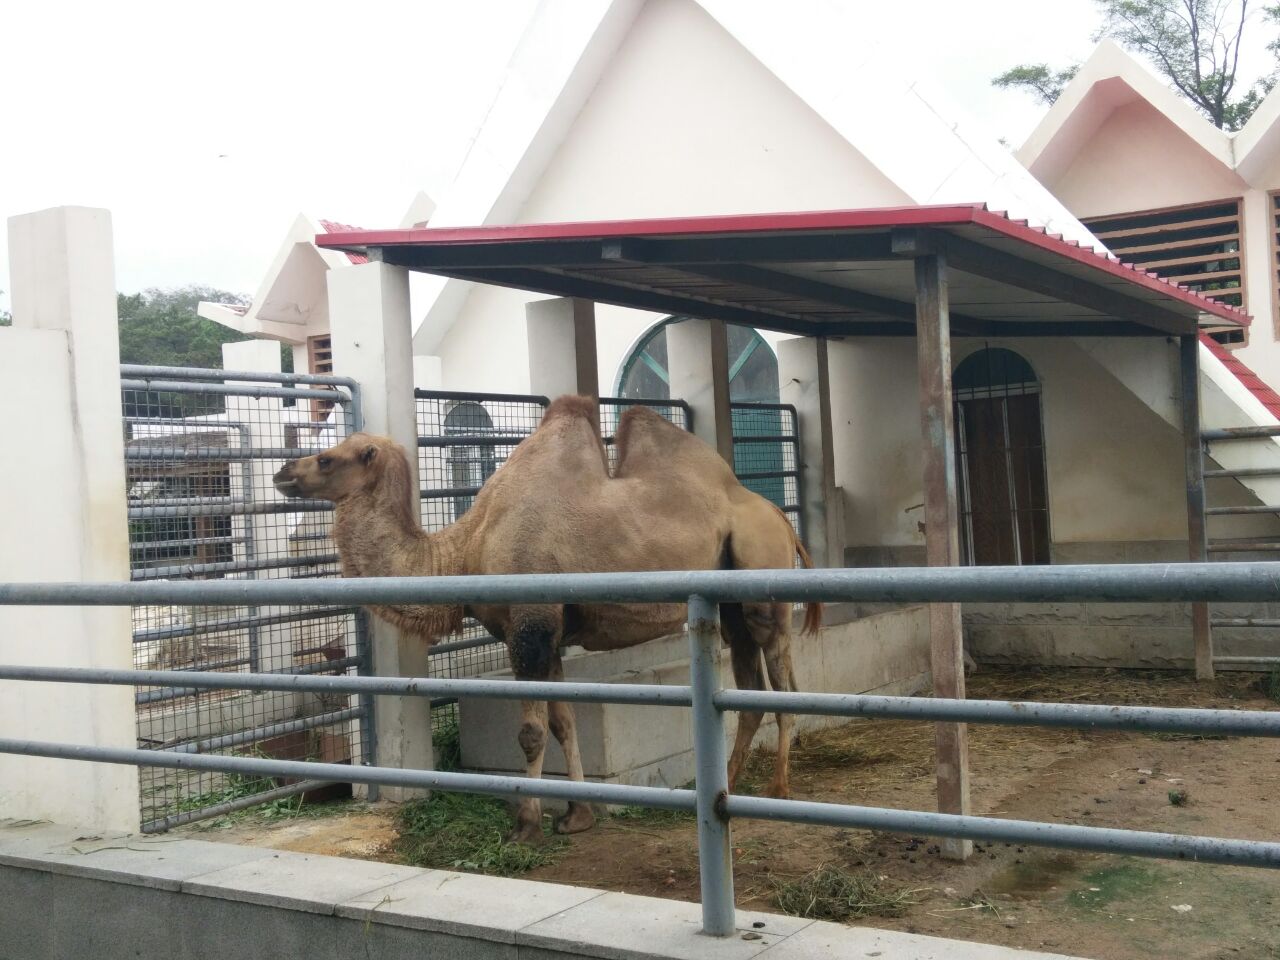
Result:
[[933, 339], [1189, 367], [715, 854]]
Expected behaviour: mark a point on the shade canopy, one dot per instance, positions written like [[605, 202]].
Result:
[[836, 273]]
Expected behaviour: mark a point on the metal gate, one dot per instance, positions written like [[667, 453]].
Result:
[[766, 454], [201, 447]]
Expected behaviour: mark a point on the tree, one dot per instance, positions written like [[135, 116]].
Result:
[[6, 318], [1039, 79], [162, 328], [1194, 44]]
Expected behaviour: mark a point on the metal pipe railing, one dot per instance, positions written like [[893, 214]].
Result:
[[1083, 716], [1255, 853], [1100, 583], [703, 591]]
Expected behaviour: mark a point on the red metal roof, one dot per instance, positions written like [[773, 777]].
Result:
[[984, 230], [332, 226], [1252, 382]]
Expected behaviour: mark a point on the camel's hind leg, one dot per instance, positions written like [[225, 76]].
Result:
[[747, 675], [771, 627], [565, 729]]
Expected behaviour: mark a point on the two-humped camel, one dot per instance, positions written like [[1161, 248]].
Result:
[[672, 503]]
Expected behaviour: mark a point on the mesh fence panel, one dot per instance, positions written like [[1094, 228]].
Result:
[[202, 506], [462, 439], [766, 454]]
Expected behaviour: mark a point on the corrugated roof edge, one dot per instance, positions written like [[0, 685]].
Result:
[[869, 218], [332, 226], [1252, 382]]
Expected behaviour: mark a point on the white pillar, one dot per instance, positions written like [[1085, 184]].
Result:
[[804, 380], [428, 373], [64, 518], [698, 366], [562, 347], [370, 326]]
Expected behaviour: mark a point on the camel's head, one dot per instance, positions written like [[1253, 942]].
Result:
[[354, 466]]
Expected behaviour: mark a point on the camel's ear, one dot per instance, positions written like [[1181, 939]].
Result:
[[367, 454]]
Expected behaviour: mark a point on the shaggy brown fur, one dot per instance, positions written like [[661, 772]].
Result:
[[672, 503]]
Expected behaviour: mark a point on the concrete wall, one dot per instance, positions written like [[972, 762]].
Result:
[[1114, 467], [684, 122], [886, 652], [62, 516], [1137, 159], [128, 897]]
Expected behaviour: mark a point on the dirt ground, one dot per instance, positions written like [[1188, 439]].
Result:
[[1097, 906]]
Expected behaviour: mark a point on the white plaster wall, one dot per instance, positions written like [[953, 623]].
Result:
[[1114, 466], [44, 538], [684, 122], [1116, 170]]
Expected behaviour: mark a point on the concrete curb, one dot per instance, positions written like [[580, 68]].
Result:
[[64, 894]]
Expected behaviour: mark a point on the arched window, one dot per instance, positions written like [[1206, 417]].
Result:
[[753, 378], [1004, 504], [753, 367], [469, 465]]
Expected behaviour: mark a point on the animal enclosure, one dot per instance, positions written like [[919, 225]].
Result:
[[199, 457]]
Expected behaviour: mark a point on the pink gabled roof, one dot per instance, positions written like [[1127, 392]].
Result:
[[332, 226], [1252, 382]]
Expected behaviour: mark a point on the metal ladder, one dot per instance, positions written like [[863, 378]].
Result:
[[1221, 545]]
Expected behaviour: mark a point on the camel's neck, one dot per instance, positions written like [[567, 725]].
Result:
[[375, 540], [380, 539]]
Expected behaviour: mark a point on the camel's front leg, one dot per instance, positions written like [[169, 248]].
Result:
[[565, 729], [533, 741]]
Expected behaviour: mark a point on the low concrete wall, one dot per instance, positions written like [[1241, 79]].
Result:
[[886, 652], [1150, 636], [64, 895]]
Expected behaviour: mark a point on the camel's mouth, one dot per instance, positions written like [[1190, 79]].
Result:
[[288, 487]]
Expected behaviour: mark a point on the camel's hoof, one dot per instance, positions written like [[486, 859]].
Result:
[[578, 819], [528, 833]]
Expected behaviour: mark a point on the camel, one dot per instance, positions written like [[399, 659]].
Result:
[[672, 503]]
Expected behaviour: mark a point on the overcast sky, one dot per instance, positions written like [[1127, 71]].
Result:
[[206, 128]]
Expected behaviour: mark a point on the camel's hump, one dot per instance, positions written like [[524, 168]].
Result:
[[572, 406]]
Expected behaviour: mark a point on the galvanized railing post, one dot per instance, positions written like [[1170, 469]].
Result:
[[715, 855]]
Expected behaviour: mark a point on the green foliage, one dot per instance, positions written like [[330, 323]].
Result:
[[162, 328], [446, 746], [653, 817], [1179, 798], [6, 318], [459, 831], [1194, 44], [1038, 79]]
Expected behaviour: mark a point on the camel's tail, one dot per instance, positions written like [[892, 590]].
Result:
[[813, 609]]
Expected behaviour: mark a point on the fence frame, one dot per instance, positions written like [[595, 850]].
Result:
[[702, 590], [342, 392]]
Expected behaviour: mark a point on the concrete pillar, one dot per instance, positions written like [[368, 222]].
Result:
[[562, 347], [804, 381], [698, 367], [370, 326], [428, 373], [65, 517]]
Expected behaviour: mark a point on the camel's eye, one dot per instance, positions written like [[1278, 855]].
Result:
[[325, 462]]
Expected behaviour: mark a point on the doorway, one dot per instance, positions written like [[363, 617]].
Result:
[[1003, 495]]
